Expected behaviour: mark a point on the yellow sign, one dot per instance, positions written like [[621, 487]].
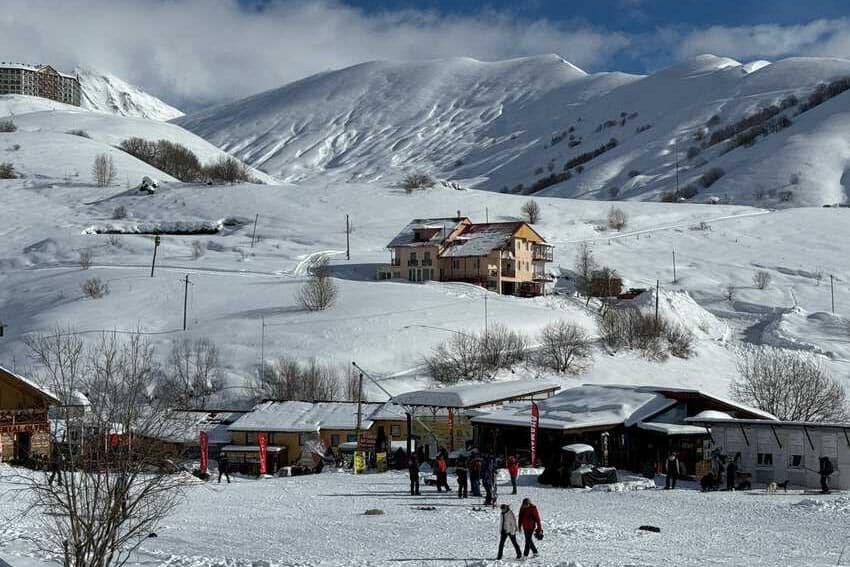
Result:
[[381, 462], [359, 462]]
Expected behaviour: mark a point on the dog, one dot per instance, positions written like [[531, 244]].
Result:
[[774, 486], [771, 488]]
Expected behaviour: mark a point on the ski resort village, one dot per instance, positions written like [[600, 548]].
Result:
[[364, 283]]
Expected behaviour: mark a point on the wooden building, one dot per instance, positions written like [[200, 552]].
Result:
[[630, 427], [506, 257], [24, 419], [295, 430]]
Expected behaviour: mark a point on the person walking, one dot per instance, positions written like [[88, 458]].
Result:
[[488, 480], [55, 465], [508, 530], [475, 475], [513, 471], [530, 524], [460, 471], [413, 471], [223, 468], [672, 471], [732, 472], [442, 474], [825, 471]]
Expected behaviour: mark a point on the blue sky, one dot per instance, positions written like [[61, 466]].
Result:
[[198, 52]]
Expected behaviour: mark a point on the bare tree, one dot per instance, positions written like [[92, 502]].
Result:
[[416, 180], [729, 293], [85, 259], [113, 491], [500, 347], [761, 279], [585, 265], [456, 359], [617, 218], [192, 374], [288, 379], [95, 288], [103, 170], [564, 347], [531, 211], [320, 291], [791, 385]]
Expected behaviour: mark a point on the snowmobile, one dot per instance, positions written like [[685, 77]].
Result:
[[576, 468]]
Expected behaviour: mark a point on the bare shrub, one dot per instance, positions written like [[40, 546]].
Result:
[[761, 279], [680, 341], [227, 169], [585, 266], [500, 348], [693, 152], [289, 379], [458, 358], [711, 176], [7, 126], [80, 133], [95, 288], [192, 374], [564, 347], [531, 211], [119, 212], [109, 498], [7, 171], [85, 259], [103, 170], [791, 385], [630, 328], [197, 249], [617, 218], [417, 180], [174, 159], [729, 293], [319, 292]]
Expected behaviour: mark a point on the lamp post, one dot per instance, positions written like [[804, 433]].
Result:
[[156, 241]]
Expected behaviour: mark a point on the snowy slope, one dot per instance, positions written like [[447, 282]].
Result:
[[499, 125], [108, 93], [43, 148]]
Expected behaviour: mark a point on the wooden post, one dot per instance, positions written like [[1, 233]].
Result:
[[347, 238], [674, 266], [657, 291], [254, 232], [185, 299], [155, 246], [832, 291]]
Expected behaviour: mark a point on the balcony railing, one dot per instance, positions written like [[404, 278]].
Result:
[[413, 262], [543, 253], [395, 262]]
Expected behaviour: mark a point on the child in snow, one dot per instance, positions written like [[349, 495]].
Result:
[[508, 530], [529, 522], [513, 471]]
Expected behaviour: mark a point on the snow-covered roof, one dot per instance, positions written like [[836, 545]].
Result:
[[481, 239], [733, 406], [186, 426], [768, 422], [435, 229], [712, 414], [302, 417], [576, 408], [672, 428], [475, 395], [31, 385], [578, 448], [35, 68]]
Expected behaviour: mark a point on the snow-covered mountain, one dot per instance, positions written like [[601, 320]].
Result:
[[506, 125], [107, 93]]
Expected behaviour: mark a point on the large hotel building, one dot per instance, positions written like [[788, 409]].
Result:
[[39, 80]]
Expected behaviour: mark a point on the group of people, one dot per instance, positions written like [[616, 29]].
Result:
[[474, 472]]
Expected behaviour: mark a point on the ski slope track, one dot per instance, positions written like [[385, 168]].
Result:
[[503, 125]]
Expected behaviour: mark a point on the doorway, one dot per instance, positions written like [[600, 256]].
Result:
[[23, 445]]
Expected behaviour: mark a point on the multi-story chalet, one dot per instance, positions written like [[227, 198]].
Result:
[[39, 80], [505, 257], [24, 421]]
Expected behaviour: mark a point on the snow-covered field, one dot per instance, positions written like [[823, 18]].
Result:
[[319, 520]]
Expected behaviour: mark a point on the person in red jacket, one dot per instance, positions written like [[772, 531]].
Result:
[[442, 474], [529, 523], [513, 470]]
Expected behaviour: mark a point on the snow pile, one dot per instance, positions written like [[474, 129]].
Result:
[[627, 485], [107, 93], [830, 505]]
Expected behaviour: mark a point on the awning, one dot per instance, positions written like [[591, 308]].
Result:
[[251, 449], [672, 428]]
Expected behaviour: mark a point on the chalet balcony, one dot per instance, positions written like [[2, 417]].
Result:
[[413, 262], [542, 253], [395, 262]]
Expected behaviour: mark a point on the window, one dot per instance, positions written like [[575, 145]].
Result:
[[764, 459], [334, 440], [251, 438], [351, 438], [764, 448], [796, 459], [395, 430], [796, 462]]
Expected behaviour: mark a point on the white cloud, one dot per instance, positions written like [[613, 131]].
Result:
[[207, 51]]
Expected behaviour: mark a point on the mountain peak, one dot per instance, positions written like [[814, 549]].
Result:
[[107, 93]]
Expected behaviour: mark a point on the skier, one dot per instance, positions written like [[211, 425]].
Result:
[[513, 471], [475, 475], [442, 474], [55, 465], [529, 522], [413, 470], [460, 471], [732, 472], [223, 465], [508, 529], [672, 471], [825, 471]]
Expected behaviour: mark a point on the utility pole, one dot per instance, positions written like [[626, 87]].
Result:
[[676, 146], [674, 266], [487, 215], [156, 241], [262, 346], [254, 232], [486, 324], [657, 291], [832, 292], [359, 407], [185, 299], [347, 238]]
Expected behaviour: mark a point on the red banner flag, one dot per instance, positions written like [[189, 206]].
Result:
[[451, 430], [205, 447], [535, 420], [261, 439]]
